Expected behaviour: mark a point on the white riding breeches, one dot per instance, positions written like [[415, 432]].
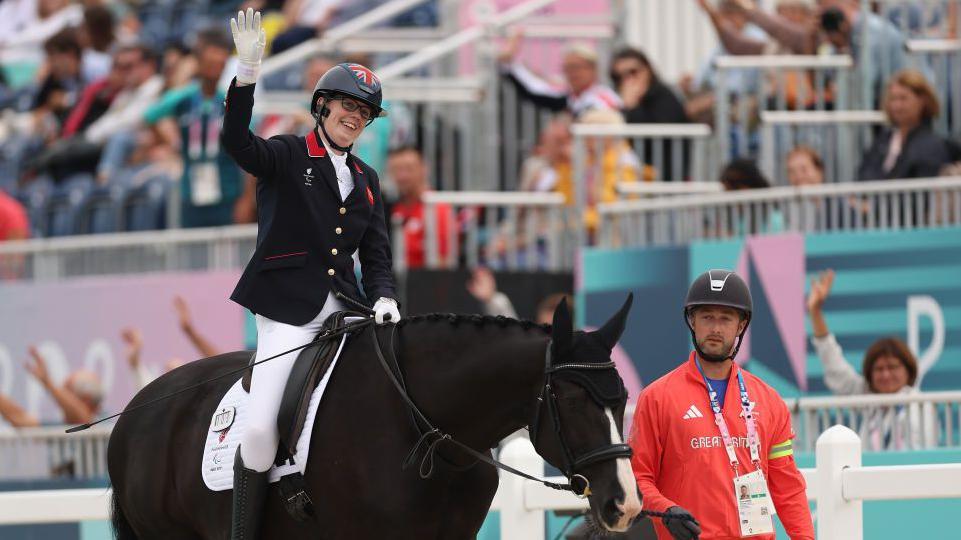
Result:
[[258, 448]]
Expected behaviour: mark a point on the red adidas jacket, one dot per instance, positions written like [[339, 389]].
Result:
[[679, 456]]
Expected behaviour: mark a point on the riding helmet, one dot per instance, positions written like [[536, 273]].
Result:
[[351, 80], [719, 288]]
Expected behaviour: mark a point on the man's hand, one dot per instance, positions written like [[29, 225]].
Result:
[[820, 290], [134, 341], [681, 524], [385, 310], [250, 40], [38, 368], [482, 285]]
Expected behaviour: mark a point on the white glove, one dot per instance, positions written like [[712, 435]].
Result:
[[250, 40], [385, 310]]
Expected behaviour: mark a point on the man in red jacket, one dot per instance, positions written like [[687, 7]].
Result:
[[718, 472]]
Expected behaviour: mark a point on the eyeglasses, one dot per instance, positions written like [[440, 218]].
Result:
[[350, 105], [618, 76]]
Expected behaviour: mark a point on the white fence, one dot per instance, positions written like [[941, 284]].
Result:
[[852, 206], [838, 485], [32, 453]]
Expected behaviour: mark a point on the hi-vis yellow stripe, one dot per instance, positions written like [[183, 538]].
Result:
[[780, 450]]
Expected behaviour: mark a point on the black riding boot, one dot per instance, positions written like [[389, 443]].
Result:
[[250, 490]]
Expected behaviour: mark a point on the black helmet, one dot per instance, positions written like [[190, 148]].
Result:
[[352, 80], [719, 288]]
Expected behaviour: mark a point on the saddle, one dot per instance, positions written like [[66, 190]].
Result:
[[309, 368]]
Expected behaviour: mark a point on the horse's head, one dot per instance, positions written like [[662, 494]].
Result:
[[578, 422]]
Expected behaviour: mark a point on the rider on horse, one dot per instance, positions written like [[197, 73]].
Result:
[[308, 231]]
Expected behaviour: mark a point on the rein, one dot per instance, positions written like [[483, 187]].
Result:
[[426, 468]]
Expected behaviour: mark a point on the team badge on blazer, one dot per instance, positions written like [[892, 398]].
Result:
[[308, 178]]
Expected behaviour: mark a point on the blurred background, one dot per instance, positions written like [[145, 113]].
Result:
[[535, 150]]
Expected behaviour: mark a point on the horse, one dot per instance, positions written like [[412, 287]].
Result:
[[477, 378]]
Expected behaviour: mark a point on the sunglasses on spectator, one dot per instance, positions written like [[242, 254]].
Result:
[[350, 105]]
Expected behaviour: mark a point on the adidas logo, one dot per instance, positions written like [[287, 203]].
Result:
[[692, 413]]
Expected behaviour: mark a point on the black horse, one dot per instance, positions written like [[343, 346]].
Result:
[[477, 378]]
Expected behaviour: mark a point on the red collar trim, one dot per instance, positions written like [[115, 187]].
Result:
[[314, 148], [357, 167]]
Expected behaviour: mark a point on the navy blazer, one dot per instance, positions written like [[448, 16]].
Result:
[[306, 233]]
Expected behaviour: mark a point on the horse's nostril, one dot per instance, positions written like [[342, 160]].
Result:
[[612, 510]]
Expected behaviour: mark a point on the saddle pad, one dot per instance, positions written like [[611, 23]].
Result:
[[229, 419]]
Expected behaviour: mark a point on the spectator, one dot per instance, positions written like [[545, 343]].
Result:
[[551, 158], [610, 161], [14, 224], [306, 19], [843, 22], [579, 65], [406, 168], [96, 35], [793, 28], [78, 397], [483, 287], [177, 66], [134, 341], [804, 167], [115, 131], [191, 116], [888, 368], [28, 23], [742, 174], [648, 101], [729, 19], [909, 148], [61, 86]]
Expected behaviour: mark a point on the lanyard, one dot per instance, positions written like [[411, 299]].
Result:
[[746, 411]]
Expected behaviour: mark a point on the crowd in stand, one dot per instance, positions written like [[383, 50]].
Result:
[[110, 104]]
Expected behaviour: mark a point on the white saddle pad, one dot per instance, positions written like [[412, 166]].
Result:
[[227, 430]]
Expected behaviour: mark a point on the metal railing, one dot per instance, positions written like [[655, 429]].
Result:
[[908, 421], [332, 39], [764, 87], [669, 189], [841, 138], [852, 206], [53, 259], [508, 230], [45, 452]]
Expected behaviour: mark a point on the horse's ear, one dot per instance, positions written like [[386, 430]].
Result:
[[611, 332], [562, 329]]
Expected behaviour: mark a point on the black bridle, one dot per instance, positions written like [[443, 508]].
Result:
[[548, 399], [432, 437]]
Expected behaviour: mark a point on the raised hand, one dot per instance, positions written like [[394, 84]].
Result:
[[250, 40], [820, 290], [38, 368]]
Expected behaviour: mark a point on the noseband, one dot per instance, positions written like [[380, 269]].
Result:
[[572, 464]]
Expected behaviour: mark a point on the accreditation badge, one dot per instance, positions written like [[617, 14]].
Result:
[[204, 184], [754, 506]]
